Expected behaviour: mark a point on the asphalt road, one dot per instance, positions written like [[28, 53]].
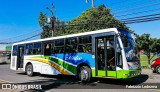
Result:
[[61, 82]]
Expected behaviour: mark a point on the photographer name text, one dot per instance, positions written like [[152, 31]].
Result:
[[141, 86]]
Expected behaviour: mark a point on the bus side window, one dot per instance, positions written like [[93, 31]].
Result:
[[59, 42], [14, 51], [37, 48], [29, 49], [71, 45], [58, 50], [47, 49], [71, 49], [59, 46], [85, 44], [85, 48], [85, 39], [80, 48]]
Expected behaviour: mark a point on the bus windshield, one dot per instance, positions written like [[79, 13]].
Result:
[[129, 46]]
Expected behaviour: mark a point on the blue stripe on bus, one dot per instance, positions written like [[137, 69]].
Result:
[[77, 58]]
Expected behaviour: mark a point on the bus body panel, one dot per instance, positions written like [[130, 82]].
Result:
[[40, 65], [13, 64], [65, 64], [36, 65]]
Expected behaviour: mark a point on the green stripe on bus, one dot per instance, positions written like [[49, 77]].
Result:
[[117, 74], [93, 73], [103, 73], [63, 64], [111, 73]]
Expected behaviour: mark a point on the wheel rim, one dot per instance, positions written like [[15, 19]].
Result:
[[84, 75], [158, 69], [29, 70]]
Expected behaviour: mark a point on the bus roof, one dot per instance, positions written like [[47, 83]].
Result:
[[71, 35]]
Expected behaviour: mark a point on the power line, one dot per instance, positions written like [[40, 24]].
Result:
[[23, 35], [134, 4], [126, 21], [139, 12], [137, 8], [20, 40], [138, 19], [29, 38], [151, 15], [141, 20]]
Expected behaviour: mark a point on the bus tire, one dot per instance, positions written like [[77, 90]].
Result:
[[29, 70], [158, 69], [85, 74]]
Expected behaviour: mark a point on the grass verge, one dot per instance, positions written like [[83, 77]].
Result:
[[144, 61]]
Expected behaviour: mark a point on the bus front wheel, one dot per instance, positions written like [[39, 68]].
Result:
[[29, 70], [85, 74]]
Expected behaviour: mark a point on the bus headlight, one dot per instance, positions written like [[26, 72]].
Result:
[[126, 74]]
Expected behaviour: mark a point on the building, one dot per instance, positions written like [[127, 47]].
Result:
[[5, 54]]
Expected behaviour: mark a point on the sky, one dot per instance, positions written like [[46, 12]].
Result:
[[19, 17]]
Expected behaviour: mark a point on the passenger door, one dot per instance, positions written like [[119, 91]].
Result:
[[105, 56], [20, 57]]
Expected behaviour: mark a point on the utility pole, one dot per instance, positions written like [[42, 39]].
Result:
[[53, 19], [93, 6], [93, 3]]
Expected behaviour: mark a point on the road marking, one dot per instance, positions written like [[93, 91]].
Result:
[[4, 81], [96, 82], [157, 90]]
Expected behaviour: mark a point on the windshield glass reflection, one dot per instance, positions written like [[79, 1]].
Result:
[[129, 46]]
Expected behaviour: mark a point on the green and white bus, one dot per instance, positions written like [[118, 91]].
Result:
[[109, 53]]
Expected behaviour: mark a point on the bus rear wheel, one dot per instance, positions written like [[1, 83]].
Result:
[[29, 70], [85, 74]]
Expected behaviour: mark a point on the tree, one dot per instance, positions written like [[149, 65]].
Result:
[[90, 20], [57, 26], [43, 23], [42, 19], [149, 45], [46, 32], [94, 19]]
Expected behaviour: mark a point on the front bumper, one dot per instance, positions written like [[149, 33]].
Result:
[[129, 74]]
